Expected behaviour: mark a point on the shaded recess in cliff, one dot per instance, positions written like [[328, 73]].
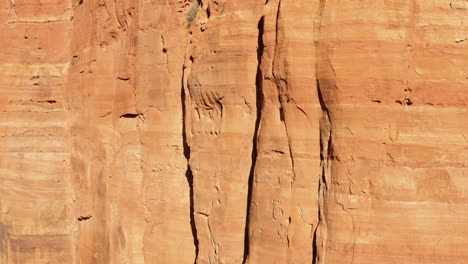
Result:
[[259, 103], [325, 146], [326, 153], [188, 173]]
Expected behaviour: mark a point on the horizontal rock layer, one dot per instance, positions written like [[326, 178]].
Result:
[[183, 131]]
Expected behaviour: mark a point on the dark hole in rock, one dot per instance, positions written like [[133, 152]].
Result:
[[129, 115]]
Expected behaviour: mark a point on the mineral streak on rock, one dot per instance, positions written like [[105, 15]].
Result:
[[233, 132]]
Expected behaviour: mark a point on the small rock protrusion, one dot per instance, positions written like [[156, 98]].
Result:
[[83, 218], [405, 101], [408, 101]]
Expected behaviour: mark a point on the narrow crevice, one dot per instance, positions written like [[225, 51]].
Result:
[[281, 113], [281, 85], [189, 176], [188, 173], [325, 151], [259, 104], [326, 154], [208, 12], [314, 247], [275, 46], [315, 254], [328, 150]]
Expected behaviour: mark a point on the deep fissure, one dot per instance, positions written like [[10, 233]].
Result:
[[188, 172], [322, 186], [259, 104], [325, 153]]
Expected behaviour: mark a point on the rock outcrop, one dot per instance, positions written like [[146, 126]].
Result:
[[216, 131]]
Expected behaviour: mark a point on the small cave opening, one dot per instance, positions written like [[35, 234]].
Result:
[[129, 115]]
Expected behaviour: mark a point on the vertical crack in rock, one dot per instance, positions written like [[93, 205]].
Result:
[[314, 243], [283, 94], [188, 173], [326, 151], [326, 154], [291, 156], [259, 104]]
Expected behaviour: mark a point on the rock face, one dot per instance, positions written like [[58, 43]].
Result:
[[276, 131]]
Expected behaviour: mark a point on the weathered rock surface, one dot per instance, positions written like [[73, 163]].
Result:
[[272, 131]]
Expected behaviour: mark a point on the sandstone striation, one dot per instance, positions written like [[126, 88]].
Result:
[[216, 131]]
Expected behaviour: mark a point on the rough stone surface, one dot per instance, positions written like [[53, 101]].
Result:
[[322, 131]]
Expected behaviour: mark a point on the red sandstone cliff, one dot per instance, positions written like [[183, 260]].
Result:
[[275, 131]]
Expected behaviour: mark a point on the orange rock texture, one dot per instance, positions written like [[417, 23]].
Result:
[[233, 132]]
